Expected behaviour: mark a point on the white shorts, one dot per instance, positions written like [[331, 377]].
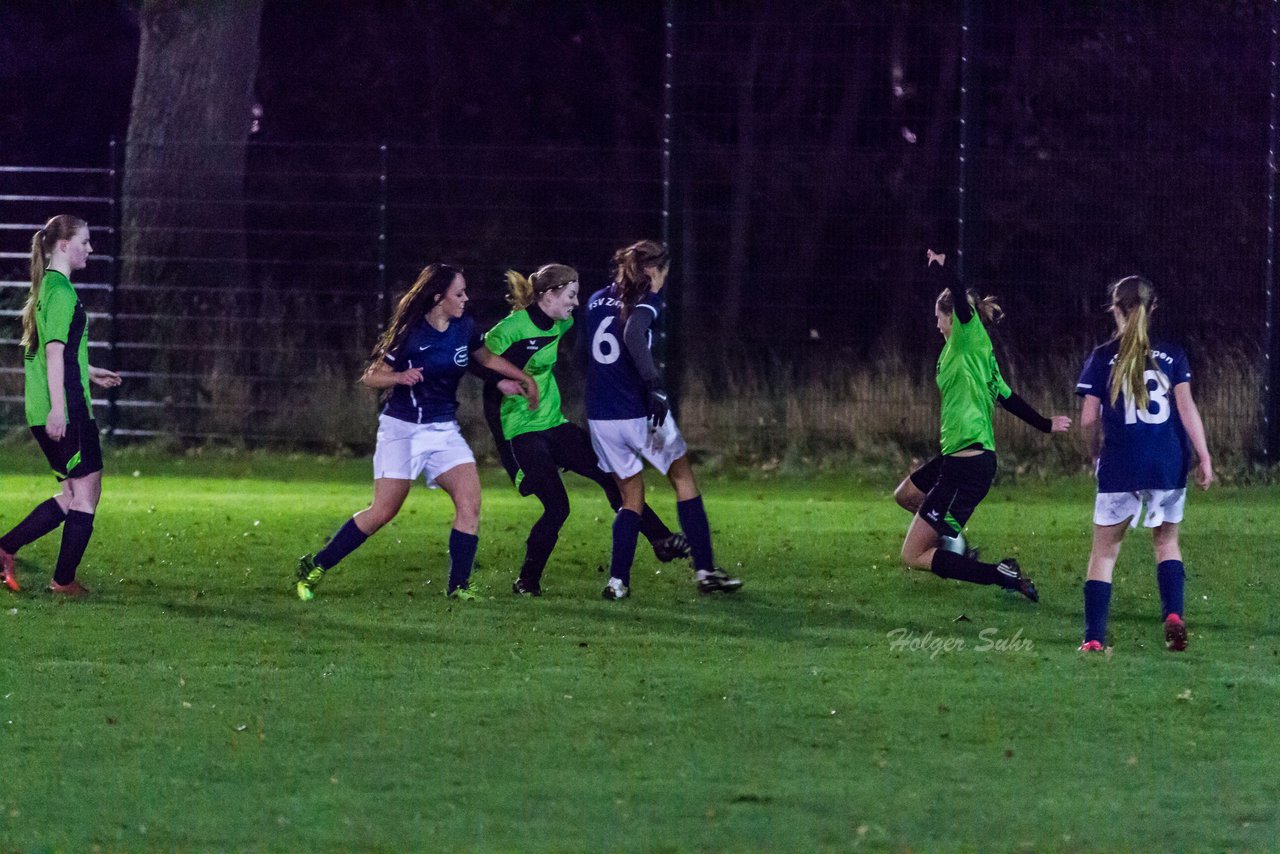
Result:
[[406, 450], [620, 444], [1163, 505]]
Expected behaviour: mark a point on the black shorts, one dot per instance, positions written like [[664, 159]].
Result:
[[77, 454], [954, 487], [532, 458]]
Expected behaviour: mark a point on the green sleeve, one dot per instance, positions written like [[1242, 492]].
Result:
[[502, 335], [53, 320]]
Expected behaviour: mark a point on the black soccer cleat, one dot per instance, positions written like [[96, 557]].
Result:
[[716, 581], [1015, 580], [672, 547], [522, 587]]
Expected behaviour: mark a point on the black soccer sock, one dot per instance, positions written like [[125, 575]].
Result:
[[462, 555], [348, 538], [652, 527], [75, 539], [545, 532], [537, 551], [961, 568], [693, 521], [626, 528], [46, 517]]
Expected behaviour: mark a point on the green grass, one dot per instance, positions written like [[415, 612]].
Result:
[[194, 703]]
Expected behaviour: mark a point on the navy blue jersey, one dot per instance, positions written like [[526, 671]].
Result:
[[1141, 448], [614, 387], [443, 358]]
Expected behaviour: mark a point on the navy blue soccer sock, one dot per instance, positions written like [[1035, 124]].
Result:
[[693, 521], [1097, 604], [462, 556], [348, 539], [1170, 576], [75, 539], [626, 529], [45, 518]]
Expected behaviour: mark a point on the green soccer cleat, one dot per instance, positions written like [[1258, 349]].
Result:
[[463, 594], [309, 576]]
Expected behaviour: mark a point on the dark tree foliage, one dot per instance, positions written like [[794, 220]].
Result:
[[816, 148]]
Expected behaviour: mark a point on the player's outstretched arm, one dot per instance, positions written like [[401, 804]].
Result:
[[1015, 405], [496, 363], [103, 377], [1191, 422]]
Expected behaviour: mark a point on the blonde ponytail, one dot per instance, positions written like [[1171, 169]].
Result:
[[522, 292], [1134, 297], [61, 227], [988, 308], [519, 291]]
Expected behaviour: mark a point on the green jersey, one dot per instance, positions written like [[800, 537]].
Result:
[[970, 381], [534, 350], [59, 317]]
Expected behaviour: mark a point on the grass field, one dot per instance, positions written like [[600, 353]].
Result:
[[194, 703]]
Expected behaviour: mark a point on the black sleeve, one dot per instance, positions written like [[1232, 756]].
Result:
[[636, 338], [944, 278], [488, 375], [1019, 407]]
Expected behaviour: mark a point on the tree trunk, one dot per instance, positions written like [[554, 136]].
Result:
[[183, 218]]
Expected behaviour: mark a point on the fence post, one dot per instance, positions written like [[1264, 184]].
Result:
[[968, 213], [384, 296], [1271, 346], [669, 336], [117, 203]]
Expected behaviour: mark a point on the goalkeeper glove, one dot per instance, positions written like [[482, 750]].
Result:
[[657, 403]]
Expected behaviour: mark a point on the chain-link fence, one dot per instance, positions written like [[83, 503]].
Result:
[[805, 160]]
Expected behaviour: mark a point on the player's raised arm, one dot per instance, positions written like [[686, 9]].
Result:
[[943, 278]]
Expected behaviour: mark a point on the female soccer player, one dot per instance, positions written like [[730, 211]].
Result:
[[418, 362], [1138, 414], [59, 406], [945, 491], [627, 413], [536, 444]]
